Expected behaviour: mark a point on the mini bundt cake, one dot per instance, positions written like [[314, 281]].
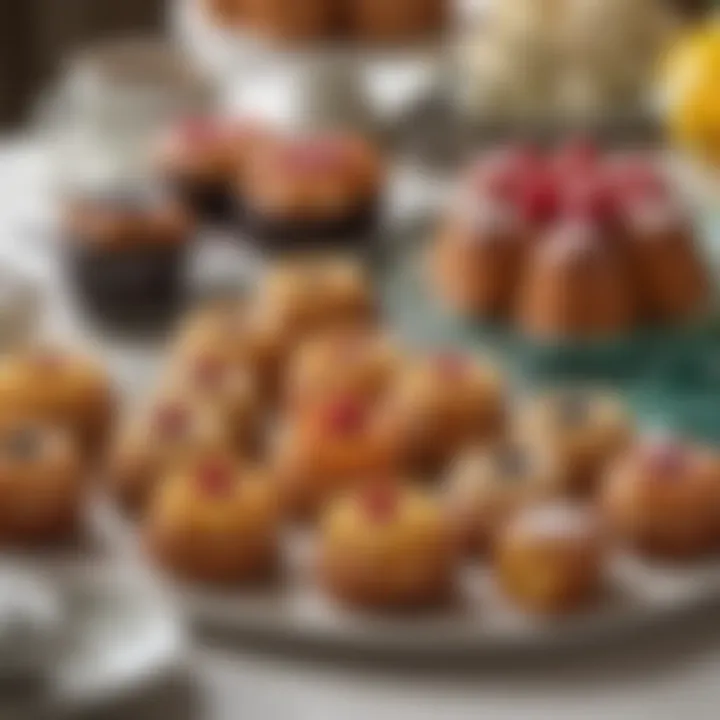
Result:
[[486, 486], [477, 259], [671, 276], [215, 522], [72, 391], [42, 484], [575, 286], [660, 499], [550, 558], [309, 192], [586, 430], [172, 432], [352, 362], [331, 447], [387, 548], [441, 404]]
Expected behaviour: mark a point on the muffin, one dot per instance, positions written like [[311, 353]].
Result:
[[312, 294], [330, 448], [248, 336], [314, 192], [442, 403], [171, 433], [586, 430], [486, 486], [660, 499], [576, 286], [201, 159], [292, 22], [226, 388], [549, 559], [352, 362], [400, 21], [477, 259], [673, 282], [71, 391], [42, 485], [214, 522], [387, 548], [126, 251]]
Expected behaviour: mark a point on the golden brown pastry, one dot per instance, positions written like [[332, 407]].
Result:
[[215, 522], [550, 558], [387, 548]]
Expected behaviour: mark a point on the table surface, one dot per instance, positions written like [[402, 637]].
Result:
[[661, 675]]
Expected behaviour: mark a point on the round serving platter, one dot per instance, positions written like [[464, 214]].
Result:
[[293, 611]]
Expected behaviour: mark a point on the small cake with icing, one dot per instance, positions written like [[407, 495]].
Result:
[[126, 250], [442, 403], [310, 192], [401, 21], [249, 336], [477, 260], [331, 447], [202, 158], [585, 429], [387, 548], [671, 276], [225, 387], [172, 432], [42, 484], [352, 362], [550, 558], [72, 391], [486, 486], [575, 286], [660, 499], [312, 294], [215, 522]]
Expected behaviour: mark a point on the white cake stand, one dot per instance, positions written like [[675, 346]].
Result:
[[310, 88]]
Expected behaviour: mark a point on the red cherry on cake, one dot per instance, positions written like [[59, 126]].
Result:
[[538, 200], [316, 155], [345, 417], [215, 478], [380, 501], [207, 370], [198, 130], [635, 178], [48, 359], [171, 420]]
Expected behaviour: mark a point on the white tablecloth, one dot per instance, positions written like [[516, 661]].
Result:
[[669, 675]]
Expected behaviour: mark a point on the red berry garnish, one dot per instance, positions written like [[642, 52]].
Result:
[[172, 420], [451, 365], [215, 478], [380, 500], [48, 359], [636, 179], [591, 200], [207, 370], [539, 201], [578, 156], [346, 417]]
